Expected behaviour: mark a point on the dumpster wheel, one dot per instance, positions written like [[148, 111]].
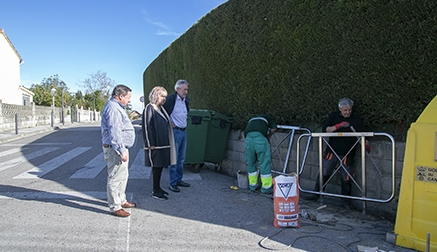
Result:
[[218, 168], [196, 167]]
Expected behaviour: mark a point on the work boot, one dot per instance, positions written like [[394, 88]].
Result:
[[267, 191], [253, 188], [311, 196], [346, 187], [317, 185]]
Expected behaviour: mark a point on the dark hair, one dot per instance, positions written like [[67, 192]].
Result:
[[120, 90]]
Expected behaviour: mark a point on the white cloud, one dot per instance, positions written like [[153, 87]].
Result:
[[167, 33], [165, 29]]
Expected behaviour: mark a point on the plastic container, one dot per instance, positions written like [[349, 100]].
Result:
[[207, 135], [242, 180]]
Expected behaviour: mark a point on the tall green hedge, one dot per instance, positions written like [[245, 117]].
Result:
[[294, 59]]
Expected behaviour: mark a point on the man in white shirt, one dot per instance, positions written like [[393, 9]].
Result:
[[177, 107]]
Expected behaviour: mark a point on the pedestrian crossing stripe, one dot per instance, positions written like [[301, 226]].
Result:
[[137, 169], [43, 169], [35, 195], [19, 160], [11, 151], [90, 170]]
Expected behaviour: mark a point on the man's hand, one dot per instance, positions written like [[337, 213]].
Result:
[[124, 156], [368, 148], [341, 125]]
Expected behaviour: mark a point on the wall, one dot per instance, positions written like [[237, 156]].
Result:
[[9, 72], [378, 187], [31, 116]]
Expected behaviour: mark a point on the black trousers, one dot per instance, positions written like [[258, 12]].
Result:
[[156, 173]]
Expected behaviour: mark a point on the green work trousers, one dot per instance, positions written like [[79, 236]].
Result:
[[258, 150]]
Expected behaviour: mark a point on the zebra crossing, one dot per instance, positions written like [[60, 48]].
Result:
[[89, 170], [43, 169], [19, 160]]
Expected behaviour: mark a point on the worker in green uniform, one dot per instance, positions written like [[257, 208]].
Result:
[[257, 133]]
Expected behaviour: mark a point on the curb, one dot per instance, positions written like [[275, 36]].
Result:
[[10, 136], [26, 132]]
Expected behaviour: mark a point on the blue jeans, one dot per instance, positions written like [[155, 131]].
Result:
[[330, 162], [176, 171]]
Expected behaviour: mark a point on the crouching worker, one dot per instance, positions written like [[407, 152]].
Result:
[[342, 120], [257, 133]]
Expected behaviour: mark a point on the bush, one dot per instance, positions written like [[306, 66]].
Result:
[[294, 59]]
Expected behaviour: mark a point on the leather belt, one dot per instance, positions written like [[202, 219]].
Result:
[[110, 146], [179, 128]]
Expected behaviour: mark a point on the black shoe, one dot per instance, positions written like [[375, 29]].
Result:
[[347, 205], [174, 189], [267, 191], [313, 197], [159, 196], [163, 192], [183, 184], [160, 191]]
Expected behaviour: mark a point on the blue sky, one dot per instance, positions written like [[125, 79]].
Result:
[[75, 38]]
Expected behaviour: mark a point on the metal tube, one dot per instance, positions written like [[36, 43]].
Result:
[[290, 145], [16, 124], [320, 164], [363, 170], [360, 135], [363, 146], [428, 238], [62, 106], [306, 150]]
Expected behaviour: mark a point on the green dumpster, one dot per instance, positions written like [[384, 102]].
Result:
[[207, 135]]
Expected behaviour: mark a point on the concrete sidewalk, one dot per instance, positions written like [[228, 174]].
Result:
[[24, 132], [210, 215], [11, 135]]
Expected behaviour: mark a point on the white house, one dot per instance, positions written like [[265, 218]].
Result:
[[12, 92]]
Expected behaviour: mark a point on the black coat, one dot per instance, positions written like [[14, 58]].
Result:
[[342, 145], [157, 132], [171, 100]]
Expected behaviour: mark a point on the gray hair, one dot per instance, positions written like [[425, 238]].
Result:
[[156, 92], [179, 83], [120, 90], [345, 102]]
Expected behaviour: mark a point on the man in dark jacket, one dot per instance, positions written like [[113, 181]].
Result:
[[177, 107], [342, 120]]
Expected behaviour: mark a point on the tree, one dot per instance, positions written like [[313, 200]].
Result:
[[99, 82], [94, 101], [78, 99], [129, 108], [43, 95]]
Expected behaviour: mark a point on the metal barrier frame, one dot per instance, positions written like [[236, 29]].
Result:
[[361, 137], [290, 134]]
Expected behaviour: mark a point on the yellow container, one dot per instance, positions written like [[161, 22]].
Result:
[[416, 215]]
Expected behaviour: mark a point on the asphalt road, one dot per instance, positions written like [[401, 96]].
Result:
[[53, 193]]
